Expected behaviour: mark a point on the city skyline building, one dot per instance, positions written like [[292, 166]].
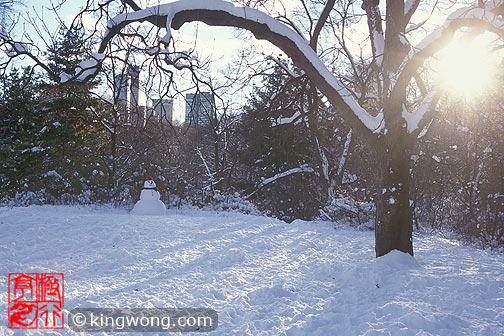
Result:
[[199, 108], [163, 109], [129, 91]]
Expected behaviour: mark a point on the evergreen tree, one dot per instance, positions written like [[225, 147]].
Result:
[[67, 51], [76, 140], [275, 139], [20, 150]]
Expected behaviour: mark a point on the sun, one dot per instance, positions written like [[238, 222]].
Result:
[[467, 69]]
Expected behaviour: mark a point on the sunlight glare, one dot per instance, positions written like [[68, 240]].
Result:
[[467, 69]]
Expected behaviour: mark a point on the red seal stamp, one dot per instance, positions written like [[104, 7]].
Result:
[[36, 300]]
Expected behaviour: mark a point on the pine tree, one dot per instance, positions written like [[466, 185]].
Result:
[[20, 150], [74, 162], [67, 51], [271, 146]]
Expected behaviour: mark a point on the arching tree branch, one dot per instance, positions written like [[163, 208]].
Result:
[[222, 13]]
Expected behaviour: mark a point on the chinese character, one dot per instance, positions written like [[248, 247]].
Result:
[[22, 283], [36, 300]]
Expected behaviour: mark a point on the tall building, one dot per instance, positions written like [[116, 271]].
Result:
[[163, 110], [128, 88], [121, 90], [199, 108]]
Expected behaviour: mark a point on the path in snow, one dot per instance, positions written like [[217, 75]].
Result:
[[262, 276]]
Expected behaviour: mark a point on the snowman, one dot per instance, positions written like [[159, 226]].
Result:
[[149, 203]]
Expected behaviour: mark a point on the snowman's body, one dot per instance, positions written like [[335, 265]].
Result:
[[149, 203]]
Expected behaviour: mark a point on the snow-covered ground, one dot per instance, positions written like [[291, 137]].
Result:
[[262, 276]]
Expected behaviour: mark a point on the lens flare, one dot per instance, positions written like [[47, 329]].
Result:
[[467, 69]]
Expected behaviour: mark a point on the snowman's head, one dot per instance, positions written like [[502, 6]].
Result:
[[149, 183]]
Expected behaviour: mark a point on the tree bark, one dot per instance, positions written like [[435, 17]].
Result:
[[394, 215], [112, 163]]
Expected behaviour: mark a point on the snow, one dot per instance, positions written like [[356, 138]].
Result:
[[284, 67], [85, 69], [110, 129], [157, 50], [64, 77], [413, 119], [408, 6], [88, 67], [174, 57], [348, 178], [325, 162], [17, 48], [33, 149], [470, 12], [263, 276], [345, 153], [149, 206], [149, 203], [483, 15], [294, 119], [379, 44]]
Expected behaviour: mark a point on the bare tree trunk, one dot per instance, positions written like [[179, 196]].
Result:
[[394, 215]]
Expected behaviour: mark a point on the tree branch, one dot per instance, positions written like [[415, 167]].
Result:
[[320, 23], [302, 169]]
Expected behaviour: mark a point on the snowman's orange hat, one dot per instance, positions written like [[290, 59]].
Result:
[[149, 178]]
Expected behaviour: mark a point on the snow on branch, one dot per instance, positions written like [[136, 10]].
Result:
[[85, 70], [302, 169], [14, 49], [223, 13], [344, 155], [410, 7], [467, 16], [486, 17], [17, 48], [294, 120], [414, 119], [110, 129], [375, 30], [379, 46]]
